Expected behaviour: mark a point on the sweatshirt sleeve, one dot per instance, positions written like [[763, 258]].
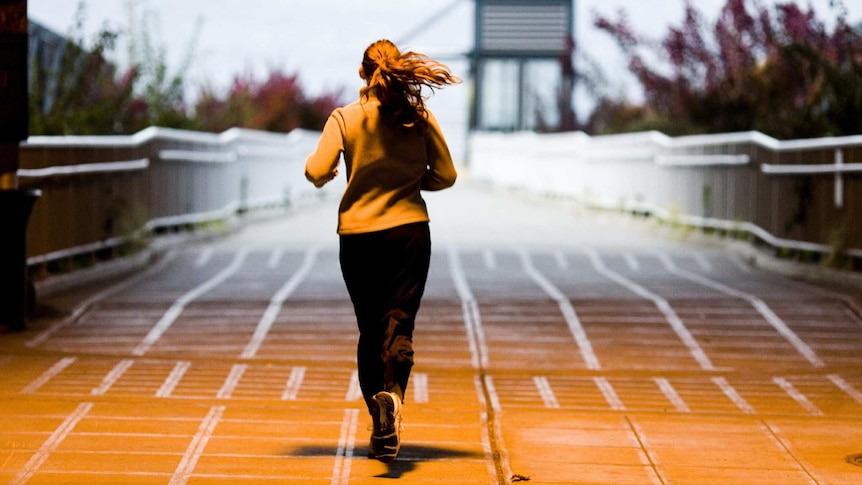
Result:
[[440, 173], [321, 166]]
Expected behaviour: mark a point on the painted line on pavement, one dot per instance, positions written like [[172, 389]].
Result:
[[173, 379], [346, 445], [112, 377], [204, 257], [561, 260], [704, 263], [783, 444], [419, 382], [48, 375], [670, 392], [496, 454], [646, 454], [32, 466], [294, 383], [275, 304], [632, 261], [546, 392], [470, 309], [177, 308], [777, 323], [89, 302], [354, 391], [797, 396], [196, 447], [232, 381], [566, 308], [662, 304], [490, 260], [275, 258], [846, 387], [609, 393], [733, 395]]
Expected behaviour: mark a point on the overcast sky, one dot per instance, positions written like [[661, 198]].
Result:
[[323, 40]]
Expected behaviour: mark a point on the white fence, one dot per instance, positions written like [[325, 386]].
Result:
[[801, 195], [98, 192]]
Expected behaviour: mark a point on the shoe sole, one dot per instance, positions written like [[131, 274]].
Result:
[[389, 411]]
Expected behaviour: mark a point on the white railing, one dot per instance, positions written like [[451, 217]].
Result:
[[798, 195], [98, 192]]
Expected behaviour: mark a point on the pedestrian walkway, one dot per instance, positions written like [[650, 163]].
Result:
[[554, 346]]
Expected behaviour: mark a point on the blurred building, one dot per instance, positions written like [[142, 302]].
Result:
[[45, 56], [522, 65]]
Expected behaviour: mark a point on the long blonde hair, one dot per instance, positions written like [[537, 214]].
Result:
[[397, 80]]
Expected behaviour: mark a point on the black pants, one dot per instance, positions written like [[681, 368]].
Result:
[[385, 273]]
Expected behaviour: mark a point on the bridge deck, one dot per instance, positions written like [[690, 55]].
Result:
[[555, 345]]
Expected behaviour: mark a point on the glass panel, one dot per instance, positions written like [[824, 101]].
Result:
[[499, 95], [542, 84]]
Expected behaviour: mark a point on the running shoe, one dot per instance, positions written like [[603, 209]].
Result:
[[386, 431]]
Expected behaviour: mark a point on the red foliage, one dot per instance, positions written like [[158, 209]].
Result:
[[277, 104], [780, 71]]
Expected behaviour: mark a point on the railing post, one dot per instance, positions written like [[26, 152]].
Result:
[[839, 179]]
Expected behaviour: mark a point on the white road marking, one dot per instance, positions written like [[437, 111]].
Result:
[[470, 308], [196, 448], [51, 444], [492, 394], [419, 382], [546, 392], [112, 377], [173, 379], [797, 396], [568, 311], [232, 381], [177, 308], [294, 383], [490, 260], [846, 387], [663, 306], [734, 396], [275, 304], [609, 393], [492, 433], [561, 260], [89, 302], [204, 257], [783, 444], [354, 391], [275, 258], [704, 263], [670, 392], [48, 375], [647, 455], [346, 445], [758, 304], [632, 262]]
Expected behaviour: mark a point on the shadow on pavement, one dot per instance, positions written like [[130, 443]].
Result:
[[408, 458]]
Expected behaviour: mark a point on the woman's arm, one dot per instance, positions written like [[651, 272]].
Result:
[[322, 165], [441, 172]]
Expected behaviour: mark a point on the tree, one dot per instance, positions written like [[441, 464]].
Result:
[[779, 71], [277, 104], [75, 89], [78, 91]]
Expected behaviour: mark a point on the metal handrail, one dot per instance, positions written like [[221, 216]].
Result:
[[811, 169], [771, 189], [85, 169], [159, 179]]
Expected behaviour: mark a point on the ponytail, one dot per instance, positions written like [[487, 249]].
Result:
[[397, 80]]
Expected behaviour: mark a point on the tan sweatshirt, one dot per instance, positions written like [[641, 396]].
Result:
[[387, 166]]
